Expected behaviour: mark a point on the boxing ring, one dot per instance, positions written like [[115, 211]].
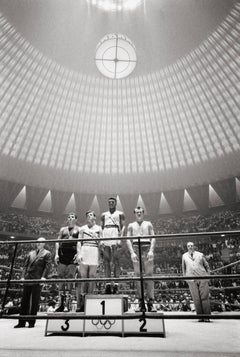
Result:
[[61, 321]]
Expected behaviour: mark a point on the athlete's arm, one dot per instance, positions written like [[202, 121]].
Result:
[[129, 244], [153, 242], [122, 224], [121, 227], [100, 233], [79, 246], [56, 259], [102, 220]]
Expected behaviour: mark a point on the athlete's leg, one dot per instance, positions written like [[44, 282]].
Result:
[[61, 272], [148, 266], [107, 261], [83, 269], [70, 274], [136, 269], [116, 260], [92, 272], [81, 287]]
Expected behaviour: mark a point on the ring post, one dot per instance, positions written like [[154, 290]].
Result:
[[142, 303], [9, 279]]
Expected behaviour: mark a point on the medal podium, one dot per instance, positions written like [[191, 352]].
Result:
[[130, 324]]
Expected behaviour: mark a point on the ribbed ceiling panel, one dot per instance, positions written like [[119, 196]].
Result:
[[179, 116]]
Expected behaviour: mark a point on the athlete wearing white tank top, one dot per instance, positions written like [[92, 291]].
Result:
[[142, 229], [113, 225]]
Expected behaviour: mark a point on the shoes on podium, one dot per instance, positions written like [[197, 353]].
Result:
[[81, 303], [108, 290], [150, 306], [115, 288], [111, 289], [141, 307], [81, 309], [61, 307]]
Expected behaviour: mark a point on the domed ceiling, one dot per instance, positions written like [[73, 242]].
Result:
[[173, 122]]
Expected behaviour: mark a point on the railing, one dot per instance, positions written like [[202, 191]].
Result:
[[164, 237]]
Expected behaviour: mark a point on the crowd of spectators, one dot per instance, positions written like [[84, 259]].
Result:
[[219, 221], [15, 222], [183, 302]]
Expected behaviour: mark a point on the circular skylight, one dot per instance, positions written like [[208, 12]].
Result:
[[115, 56]]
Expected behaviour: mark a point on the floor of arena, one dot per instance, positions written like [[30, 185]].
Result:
[[183, 338]]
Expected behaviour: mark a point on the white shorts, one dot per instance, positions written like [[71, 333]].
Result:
[[89, 255], [110, 233]]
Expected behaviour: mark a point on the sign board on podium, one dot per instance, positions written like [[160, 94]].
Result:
[[107, 305], [103, 305]]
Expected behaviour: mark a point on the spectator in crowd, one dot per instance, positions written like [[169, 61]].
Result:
[[112, 223], [51, 306], [141, 228], [37, 266], [195, 264], [13, 306]]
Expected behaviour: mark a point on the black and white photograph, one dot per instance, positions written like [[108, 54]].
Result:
[[119, 178]]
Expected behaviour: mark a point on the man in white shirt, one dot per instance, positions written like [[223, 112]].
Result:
[[195, 264]]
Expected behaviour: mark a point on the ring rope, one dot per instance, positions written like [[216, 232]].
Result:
[[160, 237], [4, 267], [213, 288], [135, 278], [127, 316], [226, 266]]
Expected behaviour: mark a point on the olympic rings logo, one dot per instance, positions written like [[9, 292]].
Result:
[[106, 324]]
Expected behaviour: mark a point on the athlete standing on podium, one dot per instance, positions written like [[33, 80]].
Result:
[[88, 257], [141, 228], [112, 222], [65, 257]]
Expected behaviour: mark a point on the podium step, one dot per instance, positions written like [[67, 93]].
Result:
[[102, 307], [65, 326]]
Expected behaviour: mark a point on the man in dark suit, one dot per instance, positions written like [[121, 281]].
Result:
[[37, 266]]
